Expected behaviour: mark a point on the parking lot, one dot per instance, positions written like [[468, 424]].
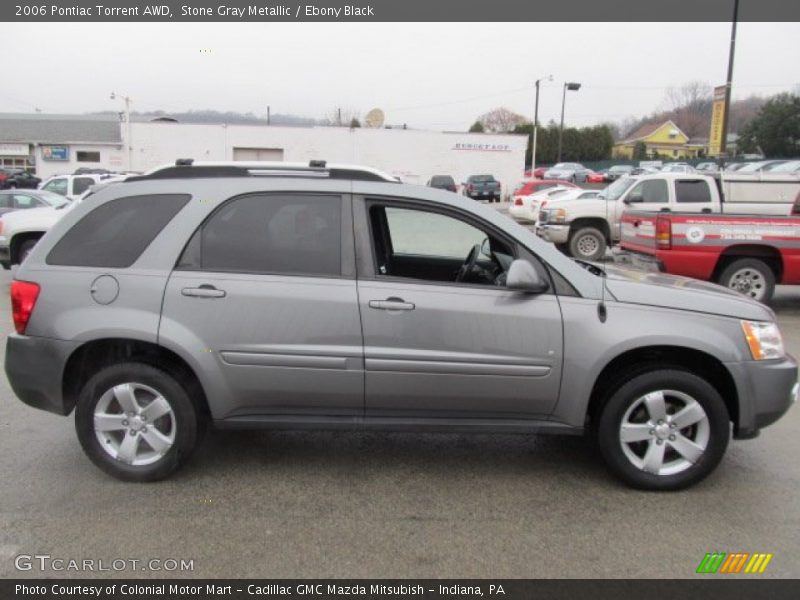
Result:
[[319, 504]]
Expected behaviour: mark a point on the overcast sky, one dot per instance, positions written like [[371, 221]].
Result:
[[428, 75]]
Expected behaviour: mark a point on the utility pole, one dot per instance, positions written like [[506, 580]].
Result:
[[268, 116], [573, 87], [128, 142], [723, 148], [536, 123]]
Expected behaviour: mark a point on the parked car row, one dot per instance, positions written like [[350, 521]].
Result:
[[17, 178]]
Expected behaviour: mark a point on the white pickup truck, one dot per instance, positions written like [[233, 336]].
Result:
[[585, 228]]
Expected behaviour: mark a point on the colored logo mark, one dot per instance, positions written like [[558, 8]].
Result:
[[733, 563]]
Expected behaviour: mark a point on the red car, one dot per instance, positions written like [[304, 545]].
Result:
[[531, 186], [538, 173], [595, 177]]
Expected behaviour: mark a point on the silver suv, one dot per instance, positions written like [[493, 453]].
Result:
[[316, 296]]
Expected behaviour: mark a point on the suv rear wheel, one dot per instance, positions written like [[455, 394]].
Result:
[[664, 430], [136, 422]]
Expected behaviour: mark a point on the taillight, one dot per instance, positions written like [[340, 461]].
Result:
[[1, 225], [470, 187], [795, 207], [517, 201], [23, 300], [663, 233]]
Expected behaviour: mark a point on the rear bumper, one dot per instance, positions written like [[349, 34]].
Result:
[[557, 234], [767, 389], [35, 370]]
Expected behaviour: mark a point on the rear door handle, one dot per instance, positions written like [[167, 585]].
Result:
[[203, 291], [392, 303]]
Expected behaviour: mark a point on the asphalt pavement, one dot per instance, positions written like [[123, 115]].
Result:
[[320, 504]]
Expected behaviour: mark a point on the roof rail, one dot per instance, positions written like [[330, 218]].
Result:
[[184, 168]]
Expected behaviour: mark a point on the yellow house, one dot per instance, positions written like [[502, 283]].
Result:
[[665, 140]]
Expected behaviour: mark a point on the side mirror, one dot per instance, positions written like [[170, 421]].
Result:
[[522, 277]]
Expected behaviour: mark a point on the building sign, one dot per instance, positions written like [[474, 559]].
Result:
[[483, 147], [14, 150], [55, 153], [717, 116]]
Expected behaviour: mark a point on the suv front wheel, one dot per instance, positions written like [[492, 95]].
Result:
[[664, 430], [136, 422]]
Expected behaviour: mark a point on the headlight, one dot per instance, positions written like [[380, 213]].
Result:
[[764, 340], [558, 215]]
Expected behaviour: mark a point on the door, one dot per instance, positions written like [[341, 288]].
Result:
[[266, 285], [443, 337]]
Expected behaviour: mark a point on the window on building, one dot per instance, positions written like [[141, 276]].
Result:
[[270, 234], [87, 156]]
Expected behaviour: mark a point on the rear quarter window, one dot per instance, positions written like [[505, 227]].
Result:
[[692, 191], [116, 233]]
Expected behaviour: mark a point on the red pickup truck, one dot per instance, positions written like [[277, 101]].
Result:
[[747, 253]]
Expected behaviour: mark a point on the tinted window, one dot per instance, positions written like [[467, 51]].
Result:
[[6, 201], [295, 235], [653, 190], [81, 184], [117, 232], [692, 190], [442, 180]]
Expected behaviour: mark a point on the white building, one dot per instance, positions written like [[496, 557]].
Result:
[[412, 155]]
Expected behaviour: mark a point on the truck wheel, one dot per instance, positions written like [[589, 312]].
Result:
[[751, 277], [587, 244], [665, 429], [137, 422]]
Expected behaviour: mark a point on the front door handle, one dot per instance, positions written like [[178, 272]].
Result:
[[203, 291], [392, 303]]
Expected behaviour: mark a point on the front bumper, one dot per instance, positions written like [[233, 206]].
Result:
[[35, 370], [557, 234], [766, 391]]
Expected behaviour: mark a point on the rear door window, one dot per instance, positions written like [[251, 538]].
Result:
[[692, 191], [116, 233], [81, 184], [270, 234]]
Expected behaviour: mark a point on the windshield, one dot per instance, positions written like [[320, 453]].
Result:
[[561, 166], [620, 169], [480, 178], [54, 200], [616, 189]]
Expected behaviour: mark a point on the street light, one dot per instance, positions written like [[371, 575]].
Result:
[[127, 101], [536, 123], [572, 87]]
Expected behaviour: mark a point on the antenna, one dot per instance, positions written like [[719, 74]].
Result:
[[374, 118]]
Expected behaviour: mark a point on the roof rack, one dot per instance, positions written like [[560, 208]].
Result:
[[187, 168]]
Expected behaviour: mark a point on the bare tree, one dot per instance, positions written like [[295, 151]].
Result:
[[342, 117], [501, 120], [689, 107]]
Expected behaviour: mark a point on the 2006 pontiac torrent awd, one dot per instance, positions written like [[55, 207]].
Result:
[[319, 296]]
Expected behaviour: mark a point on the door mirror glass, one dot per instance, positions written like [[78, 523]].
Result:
[[523, 277], [486, 248]]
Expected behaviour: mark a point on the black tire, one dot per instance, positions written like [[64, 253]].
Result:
[[629, 396], [587, 243], [189, 421], [751, 277], [26, 248]]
